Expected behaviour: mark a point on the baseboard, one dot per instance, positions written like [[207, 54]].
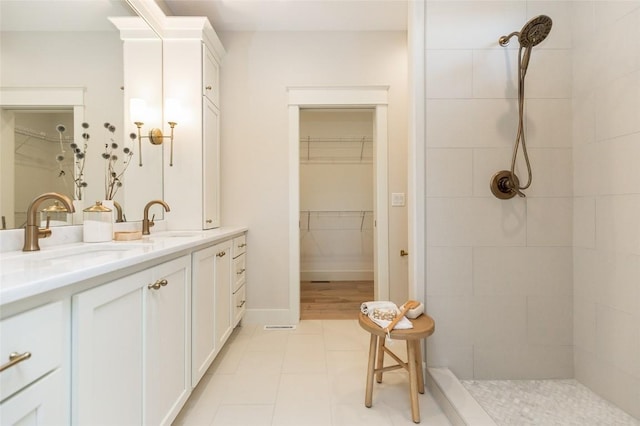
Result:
[[454, 400], [336, 275]]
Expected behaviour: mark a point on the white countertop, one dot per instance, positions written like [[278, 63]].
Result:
[[28, 274]]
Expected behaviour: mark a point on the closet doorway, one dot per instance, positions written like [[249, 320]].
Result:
[[361, 97], [336, 211]]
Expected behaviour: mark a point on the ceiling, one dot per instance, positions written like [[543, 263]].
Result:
[[294, 15], [60, 15]]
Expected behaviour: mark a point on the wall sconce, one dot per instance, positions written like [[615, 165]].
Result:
[[138, 112]]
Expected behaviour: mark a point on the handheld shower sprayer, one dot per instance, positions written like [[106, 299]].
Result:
[[505, 184]]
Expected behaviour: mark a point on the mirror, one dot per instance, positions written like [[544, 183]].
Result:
[[62, 63]]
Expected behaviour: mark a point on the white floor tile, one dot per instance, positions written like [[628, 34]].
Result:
[[313, 375], [243, 415]]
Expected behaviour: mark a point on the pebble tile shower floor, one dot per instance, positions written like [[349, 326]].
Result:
[[545, 402]]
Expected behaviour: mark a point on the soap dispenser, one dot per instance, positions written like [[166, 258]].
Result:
[[97, 224]]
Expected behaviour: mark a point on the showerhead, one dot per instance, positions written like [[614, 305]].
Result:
[[533, 32]]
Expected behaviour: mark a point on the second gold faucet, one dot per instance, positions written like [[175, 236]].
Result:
[[148, 223]]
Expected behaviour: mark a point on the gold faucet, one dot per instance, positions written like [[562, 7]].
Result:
[[32, 232], [119, 218], [146, 223]]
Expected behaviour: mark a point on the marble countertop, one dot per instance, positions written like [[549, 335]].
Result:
[[28, 274]]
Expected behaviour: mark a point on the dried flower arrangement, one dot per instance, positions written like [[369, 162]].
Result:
[[79, 160], [113, 173]]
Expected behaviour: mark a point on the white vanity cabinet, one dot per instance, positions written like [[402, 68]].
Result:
[[34, 387], [131, 347], [191, 60]]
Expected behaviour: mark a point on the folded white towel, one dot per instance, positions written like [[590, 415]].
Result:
[[367, 308]]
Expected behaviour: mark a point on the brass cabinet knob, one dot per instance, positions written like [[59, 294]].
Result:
[[221, 254], [209, 221], [208, 87], [241, 271], [404, 253]]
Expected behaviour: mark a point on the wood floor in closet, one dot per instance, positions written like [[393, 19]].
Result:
[[333, 299]]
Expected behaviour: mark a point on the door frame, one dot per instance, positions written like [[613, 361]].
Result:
[[375, 97]]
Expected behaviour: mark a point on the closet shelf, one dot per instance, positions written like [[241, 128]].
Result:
[[40, 135], [336, 150], [336, 220]]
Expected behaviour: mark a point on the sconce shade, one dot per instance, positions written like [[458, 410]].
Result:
[[137, 110], [172, 110]]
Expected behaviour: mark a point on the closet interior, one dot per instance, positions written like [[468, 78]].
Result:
[[336, 211]]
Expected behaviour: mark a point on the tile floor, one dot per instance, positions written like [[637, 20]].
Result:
[[313, 375]]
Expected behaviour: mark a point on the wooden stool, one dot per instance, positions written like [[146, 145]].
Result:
[[423, 327]]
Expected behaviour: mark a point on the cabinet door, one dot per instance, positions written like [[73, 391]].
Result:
[[42, 403], [211, 166], [210, 77], [203, 348], [223, 292], [167, 354], [107, 358]]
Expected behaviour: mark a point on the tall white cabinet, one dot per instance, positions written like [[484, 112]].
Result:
[[192, 54]]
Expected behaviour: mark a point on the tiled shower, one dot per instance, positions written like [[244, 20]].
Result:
[[546, 286]]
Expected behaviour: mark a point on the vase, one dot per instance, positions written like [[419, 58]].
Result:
[[76, 217]]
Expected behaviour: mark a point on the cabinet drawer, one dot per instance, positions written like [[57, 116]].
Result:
[[239, 272], [239, 245], [40, 332], [239, 304]]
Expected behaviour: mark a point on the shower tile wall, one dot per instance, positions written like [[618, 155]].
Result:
[[499, 273], [606, 135]]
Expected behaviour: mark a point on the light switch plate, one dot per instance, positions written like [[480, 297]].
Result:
[[397, 199]]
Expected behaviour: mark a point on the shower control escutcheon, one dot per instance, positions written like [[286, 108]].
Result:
[[504, 185]]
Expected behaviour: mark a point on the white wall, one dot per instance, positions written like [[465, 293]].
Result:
[[255, 75], [606, 137], [499, 273], [336, 192]]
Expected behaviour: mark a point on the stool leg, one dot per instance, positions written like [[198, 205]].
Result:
[[368, 396], [419, 370], [380, 361], [413, 381]]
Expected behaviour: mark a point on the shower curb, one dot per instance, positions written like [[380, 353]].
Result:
[[454, 400]]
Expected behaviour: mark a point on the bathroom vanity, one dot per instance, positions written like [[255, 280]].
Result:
[[118, 332]]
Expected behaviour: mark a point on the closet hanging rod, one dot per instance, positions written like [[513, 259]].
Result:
[[338, 212]]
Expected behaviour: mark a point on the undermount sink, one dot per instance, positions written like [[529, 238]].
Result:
[[68, 254], [174, 234]]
